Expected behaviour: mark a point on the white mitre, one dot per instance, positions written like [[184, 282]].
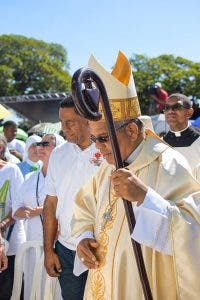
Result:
[[120, 87]]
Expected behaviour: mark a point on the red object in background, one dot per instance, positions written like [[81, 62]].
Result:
[[162, 95]]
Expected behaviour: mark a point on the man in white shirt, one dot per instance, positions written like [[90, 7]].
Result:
[[184, 138], [70, 166], [15, 146]]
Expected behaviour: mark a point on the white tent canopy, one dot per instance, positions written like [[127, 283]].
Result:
[[44, 128]]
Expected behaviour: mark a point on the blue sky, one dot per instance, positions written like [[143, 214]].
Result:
[[102, 27]]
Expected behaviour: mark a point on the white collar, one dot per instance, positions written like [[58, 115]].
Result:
[[89, 148], [135, 153], [178, 133], [32, 163]]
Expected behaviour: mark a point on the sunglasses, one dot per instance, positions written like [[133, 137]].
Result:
[[105, 138], [175, 107], [42, 144], [101, 139]]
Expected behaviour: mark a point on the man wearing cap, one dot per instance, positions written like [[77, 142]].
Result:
[[160, 187], [159, 95], [184, 138]]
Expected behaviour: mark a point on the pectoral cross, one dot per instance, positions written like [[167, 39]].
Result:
[[106, 218]]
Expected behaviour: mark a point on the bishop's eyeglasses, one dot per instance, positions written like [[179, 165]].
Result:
[[105, 138]]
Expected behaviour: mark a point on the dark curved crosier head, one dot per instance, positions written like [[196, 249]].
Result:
[[87, 89]]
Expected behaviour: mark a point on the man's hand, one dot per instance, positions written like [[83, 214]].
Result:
[[36, 211], [3, 258], [128, 186], [85, 251], [3, 225], [25, 212], [52, 264], [16, 153], [3, 262], [50, 226], [7, 221]]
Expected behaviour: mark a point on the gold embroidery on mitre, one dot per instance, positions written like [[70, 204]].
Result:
[[123, 109]]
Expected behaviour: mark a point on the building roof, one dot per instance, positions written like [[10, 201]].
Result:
[[38, 107]]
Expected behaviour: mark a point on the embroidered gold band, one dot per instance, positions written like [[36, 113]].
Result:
[[123, 109]]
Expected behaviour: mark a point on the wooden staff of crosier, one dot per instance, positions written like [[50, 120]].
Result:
[[88, 91]]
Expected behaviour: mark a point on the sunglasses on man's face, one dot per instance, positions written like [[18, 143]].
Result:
[[174, 107], [105, 138], [101, 139], [42, 144]]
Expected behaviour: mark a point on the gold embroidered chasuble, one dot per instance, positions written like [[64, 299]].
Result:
[[171, 277]]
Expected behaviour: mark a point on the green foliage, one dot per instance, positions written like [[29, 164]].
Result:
[[174, 73], [30, 66]]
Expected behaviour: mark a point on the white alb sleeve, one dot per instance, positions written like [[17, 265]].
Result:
[[79, 267], [152, 223]]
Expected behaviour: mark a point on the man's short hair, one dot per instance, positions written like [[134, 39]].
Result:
[[67, 102], [9, 123], [182, 98]]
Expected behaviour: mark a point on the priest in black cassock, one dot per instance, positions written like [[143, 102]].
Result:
[[186, 139]]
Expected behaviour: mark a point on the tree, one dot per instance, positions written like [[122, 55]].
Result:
[[175, 74], [30, 66]]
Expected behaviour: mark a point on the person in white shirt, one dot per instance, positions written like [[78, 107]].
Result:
[[11, 158], [10, 176], [181, 136], [29, 205], [70, 166], [16, 147]]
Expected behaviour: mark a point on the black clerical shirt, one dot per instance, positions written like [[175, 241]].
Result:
[[183, 138]]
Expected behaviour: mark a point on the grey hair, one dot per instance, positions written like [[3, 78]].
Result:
[[136, 121]]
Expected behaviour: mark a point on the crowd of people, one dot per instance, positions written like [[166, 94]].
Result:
[[67, 194]]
